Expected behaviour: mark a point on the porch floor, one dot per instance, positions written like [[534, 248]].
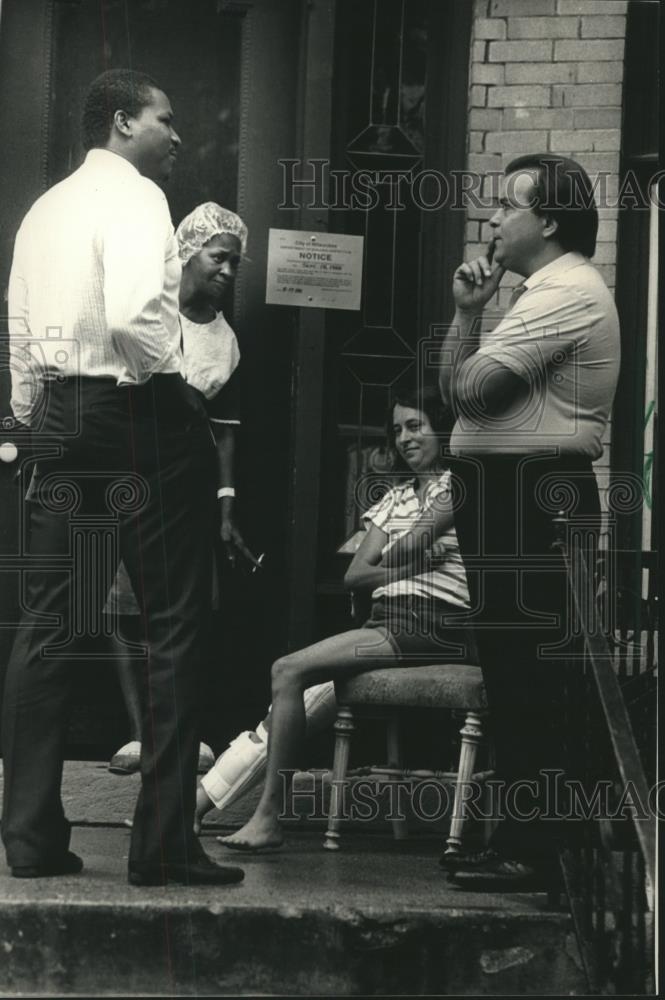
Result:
[[378, 917]]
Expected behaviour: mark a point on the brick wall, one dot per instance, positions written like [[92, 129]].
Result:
[[546, 75]]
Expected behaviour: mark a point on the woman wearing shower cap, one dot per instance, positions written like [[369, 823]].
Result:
[[211, 242]]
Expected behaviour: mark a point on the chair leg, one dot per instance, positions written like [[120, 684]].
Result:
[[395, 759], [471, 733], [343, 729]]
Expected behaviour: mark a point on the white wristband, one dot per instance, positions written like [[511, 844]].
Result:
[[225, 491]]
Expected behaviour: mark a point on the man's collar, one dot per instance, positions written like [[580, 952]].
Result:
[[106, 159], [557, 266]]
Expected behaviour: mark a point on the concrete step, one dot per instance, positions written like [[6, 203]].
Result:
[[376, 918]]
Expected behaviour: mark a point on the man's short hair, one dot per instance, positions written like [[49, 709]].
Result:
[[115, 90], [563, 190]]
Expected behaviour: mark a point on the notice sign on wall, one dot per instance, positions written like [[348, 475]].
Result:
[[322, 270]]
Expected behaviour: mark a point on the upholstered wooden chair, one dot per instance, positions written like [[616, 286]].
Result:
[[384, 693]]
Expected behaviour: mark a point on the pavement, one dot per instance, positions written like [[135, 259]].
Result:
[[376, 918]]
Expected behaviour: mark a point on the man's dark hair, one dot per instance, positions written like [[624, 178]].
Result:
[[115, 90], [563, 190]]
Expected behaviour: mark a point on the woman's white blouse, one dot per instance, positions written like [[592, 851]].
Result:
[[211, 354]]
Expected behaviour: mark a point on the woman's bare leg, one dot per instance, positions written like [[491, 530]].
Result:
[[340, 656]]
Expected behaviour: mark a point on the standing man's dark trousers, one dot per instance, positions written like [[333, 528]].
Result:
[[136, 465], [521, 612]]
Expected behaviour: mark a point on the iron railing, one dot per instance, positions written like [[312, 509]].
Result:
[[609, 857]]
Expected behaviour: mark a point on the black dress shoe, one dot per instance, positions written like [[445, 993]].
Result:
[[65, 864], [507, 876], [199, 871], [453, 862]]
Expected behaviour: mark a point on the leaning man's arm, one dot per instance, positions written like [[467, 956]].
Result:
[[517, 354], [485, 386]]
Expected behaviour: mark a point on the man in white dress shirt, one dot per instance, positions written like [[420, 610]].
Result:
[[533, 397], [96, 376]]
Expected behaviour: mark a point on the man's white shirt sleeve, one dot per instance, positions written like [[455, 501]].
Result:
[[27, 387], [535, 332], [140, 259]]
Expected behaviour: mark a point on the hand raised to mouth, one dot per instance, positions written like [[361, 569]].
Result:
[[475, 282]]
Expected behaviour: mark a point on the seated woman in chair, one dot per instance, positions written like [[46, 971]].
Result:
[[411, 524]]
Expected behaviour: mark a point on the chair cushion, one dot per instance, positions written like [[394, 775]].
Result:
[[450, 685]]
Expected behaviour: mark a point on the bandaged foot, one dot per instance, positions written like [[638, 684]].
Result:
[[241, 767]]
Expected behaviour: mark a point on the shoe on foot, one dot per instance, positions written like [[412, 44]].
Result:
[[506, 876], [66, 864], [239, 768], [201, 870], [453, 861], [127, 760]]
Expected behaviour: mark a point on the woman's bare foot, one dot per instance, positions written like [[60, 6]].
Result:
[[259, 833], [203, 805]]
